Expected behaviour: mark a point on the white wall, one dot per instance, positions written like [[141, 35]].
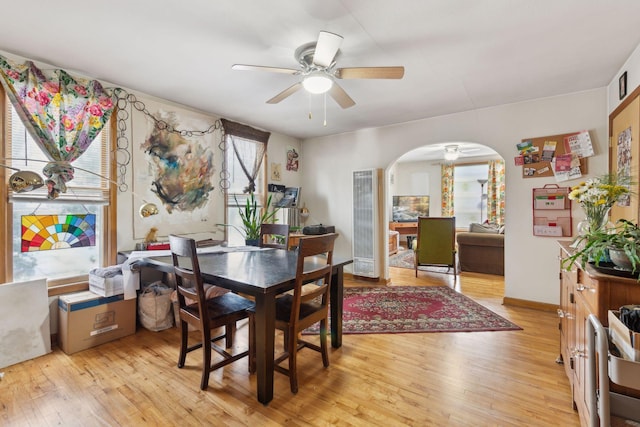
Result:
[[531, 266]]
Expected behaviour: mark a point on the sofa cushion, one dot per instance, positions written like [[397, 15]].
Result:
[[480, 239], [484, 228]]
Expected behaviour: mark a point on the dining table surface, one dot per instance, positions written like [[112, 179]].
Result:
[[262, 274]]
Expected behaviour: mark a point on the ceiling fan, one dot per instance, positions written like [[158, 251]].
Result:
[[317, 62], [451, 151]]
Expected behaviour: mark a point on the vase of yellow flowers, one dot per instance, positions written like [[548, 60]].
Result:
[[596, 196]]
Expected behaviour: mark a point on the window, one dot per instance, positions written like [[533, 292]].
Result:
[[470, 197], [238, 181], [86, 194]]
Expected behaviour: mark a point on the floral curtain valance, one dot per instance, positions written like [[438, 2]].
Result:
[[63, 114]]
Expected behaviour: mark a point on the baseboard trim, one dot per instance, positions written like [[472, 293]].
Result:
[[542, 306]]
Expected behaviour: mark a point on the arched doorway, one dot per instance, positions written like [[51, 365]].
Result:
[[419, 173]]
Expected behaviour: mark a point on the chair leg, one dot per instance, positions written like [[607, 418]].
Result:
[[252, 343], [184, 336], [229, 330], [206, 358], [292, 345], [323, 343]]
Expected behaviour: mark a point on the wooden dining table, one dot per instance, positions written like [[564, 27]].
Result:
[[263, 274]]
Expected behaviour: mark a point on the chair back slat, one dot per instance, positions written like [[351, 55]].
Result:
[[313, 247], [189, 283], [269, 230]]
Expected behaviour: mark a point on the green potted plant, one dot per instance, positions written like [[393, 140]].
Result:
[[618, 245], [253, 216]]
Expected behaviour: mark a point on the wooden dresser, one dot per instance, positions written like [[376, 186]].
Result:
[[404, 227], [583, 292]]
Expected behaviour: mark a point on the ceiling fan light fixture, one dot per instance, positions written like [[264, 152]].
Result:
[[451, 153], [317, 82]]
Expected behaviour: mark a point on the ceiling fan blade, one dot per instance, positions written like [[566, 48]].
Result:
[[244, 67], [326, 48], [370, 73], [340, 96], [285, 93]]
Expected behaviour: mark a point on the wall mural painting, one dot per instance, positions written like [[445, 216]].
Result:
[[51, 232], [177, 171], [182, 168]]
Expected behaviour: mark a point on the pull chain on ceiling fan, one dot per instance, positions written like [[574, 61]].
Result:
[[317, 67]]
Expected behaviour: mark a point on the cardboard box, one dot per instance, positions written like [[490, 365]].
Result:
[[106, 286], [627, 341], [87, 319]]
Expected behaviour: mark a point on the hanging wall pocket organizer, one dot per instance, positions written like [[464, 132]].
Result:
[[552, 211]]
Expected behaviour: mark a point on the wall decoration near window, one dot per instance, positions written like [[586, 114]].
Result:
[[51, 232], [276, 172], [176, 170], [292, 159]]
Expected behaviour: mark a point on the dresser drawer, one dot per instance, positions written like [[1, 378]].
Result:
[[588, 288]]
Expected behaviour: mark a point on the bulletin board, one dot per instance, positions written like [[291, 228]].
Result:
[[624, 153], [537, 165]]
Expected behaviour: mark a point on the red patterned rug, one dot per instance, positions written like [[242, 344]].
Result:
[[403, 309]]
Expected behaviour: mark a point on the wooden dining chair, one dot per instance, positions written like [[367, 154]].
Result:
[[305, 307], [204, 314], [267, 231]]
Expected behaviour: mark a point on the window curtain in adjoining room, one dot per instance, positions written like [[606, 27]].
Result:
[[495, 192], [62, 114], [249, 145], [447, 190]]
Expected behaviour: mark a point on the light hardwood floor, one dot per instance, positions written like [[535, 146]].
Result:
[[439, 379]]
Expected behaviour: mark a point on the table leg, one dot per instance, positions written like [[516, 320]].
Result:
[[336, 303], [265, 338]]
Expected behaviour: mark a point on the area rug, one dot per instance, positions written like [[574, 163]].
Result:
[[404, 309], [402, 259], [405, 259]]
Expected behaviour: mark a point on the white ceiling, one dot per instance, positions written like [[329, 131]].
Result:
[[458, 54]]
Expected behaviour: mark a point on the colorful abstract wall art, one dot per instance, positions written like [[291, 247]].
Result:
[[177, 171], [51, 232], [183, 167]]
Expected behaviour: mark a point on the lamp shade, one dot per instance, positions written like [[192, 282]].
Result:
[[317, 82], [25, 181]]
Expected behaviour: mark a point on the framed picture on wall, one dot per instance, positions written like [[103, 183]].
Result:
[[622, 85]]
